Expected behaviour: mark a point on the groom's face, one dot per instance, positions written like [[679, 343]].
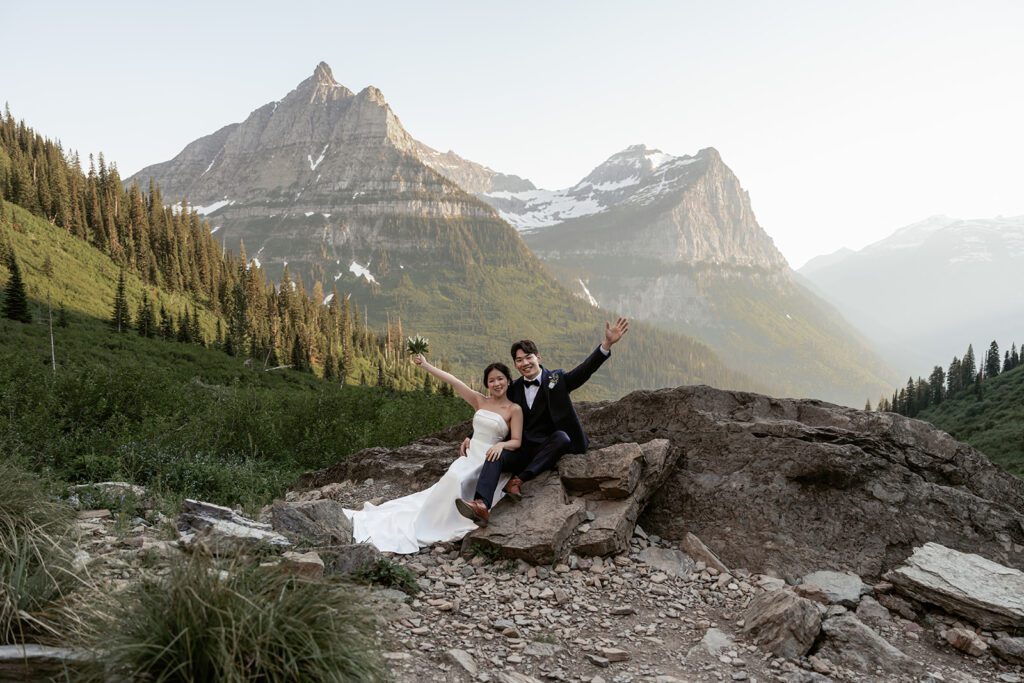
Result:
[[528, 364]]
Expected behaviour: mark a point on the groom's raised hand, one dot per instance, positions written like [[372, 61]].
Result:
[[613, 333]]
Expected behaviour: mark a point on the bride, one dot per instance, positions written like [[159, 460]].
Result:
[[405, 525]]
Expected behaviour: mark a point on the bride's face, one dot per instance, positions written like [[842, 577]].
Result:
[[497, 384]]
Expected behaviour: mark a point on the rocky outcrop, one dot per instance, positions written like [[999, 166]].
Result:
[[793, 486], [774, 485], [989, 594]]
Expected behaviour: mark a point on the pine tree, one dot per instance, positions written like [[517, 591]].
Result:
[[968, 367], [15, 299], [300, 360], [62, 316], [195, 331], [166, 324], [867, 403], [992, 360], [146, 324], [120, 319], [428, 386], [330, 372]]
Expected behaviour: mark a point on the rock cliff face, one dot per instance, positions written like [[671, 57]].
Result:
[[775, 485], [329, 181], [674, 241]]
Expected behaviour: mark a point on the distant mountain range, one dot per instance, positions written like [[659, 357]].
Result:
[[673, 240], [930, 288], [328, 182]]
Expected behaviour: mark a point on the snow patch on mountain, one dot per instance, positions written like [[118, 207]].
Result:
[[587, 295], [210, 208], [362, 271], [314, 164], [636, 175]]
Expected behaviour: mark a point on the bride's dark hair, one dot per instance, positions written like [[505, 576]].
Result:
[[500, 367]]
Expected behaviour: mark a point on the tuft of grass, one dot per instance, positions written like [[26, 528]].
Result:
[[201, 623], [36, 551], [386, 573]]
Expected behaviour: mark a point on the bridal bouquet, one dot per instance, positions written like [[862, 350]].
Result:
[[417, 344]]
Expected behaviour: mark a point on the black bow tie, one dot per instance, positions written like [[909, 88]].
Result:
[[533, 382]]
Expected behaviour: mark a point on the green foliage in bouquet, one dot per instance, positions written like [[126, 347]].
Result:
[[418, 344]]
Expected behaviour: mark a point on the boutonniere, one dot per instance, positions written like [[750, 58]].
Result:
[[553, 380]]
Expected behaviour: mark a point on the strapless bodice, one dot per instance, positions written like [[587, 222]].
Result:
[[489, 427]]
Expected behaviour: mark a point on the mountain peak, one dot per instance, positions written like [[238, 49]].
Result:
[[372, 94], [321, 86], [324, 75]]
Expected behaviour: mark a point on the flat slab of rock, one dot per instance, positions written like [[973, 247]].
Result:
[[535, 529], [696, 549], [840, 588], [782, 623], [40, 663], [1009, 649], [851, 643], [985, 592], [222, 531]]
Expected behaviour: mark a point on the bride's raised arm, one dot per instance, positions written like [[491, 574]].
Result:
[[468, 395]]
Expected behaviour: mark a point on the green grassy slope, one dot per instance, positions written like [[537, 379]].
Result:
[[992, 421], [181, 418]]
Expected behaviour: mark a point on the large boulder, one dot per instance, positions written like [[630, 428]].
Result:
[[792, 486], [612, 521], [782, 623], [851, 643], [840, 588], [314, 522], [611, 472], [985, 592], [535, 529]]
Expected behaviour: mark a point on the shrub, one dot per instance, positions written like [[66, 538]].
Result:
[[35, 557], [199, 623], [386, 573]]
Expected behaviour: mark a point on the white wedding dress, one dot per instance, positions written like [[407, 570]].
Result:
[[404, 525]]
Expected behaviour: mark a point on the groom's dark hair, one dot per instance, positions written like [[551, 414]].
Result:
[[526, 346]]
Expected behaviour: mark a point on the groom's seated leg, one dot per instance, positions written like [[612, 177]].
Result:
[[509, 461], [547, 455]]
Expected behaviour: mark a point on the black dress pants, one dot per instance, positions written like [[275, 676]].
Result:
[[530, 460]]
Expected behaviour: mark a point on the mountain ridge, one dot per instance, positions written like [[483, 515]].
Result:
[[333, 188], [921, 290]]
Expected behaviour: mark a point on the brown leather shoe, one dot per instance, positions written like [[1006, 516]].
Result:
[[512, 489], [474, 510]]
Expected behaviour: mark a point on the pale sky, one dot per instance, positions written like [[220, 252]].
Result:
[[844, 121]]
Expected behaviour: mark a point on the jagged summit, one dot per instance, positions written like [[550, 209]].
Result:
[[320, 88]]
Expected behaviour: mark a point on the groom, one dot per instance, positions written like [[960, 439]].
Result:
[[551, 427]]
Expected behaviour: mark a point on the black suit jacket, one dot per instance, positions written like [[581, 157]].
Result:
[[556, 385]]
